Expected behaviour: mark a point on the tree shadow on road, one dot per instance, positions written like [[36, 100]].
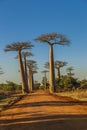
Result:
[[49, 103], [39, 120], [46, 122]]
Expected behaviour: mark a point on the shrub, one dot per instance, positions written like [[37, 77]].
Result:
[[67, 83]]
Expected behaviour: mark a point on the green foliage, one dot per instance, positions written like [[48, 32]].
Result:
[[10, 86], [44, 80], [67, 83], [36, 86], [83, 82]]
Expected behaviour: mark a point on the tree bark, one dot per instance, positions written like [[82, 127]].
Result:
[[32, 82], [22, 75], [30, 85], [58, 74], [52, 72], [25, 71], [45, 81]]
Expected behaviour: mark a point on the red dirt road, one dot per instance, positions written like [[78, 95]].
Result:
[[42, 111]]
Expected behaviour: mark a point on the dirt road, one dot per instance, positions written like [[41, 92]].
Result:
[[42, 111]]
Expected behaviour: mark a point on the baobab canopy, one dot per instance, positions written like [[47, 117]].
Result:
[[18, 46], [53, 38]]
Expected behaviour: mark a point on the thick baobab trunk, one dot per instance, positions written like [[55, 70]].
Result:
[[22, 73], [58, 73], [25, 71], [52, 72], [32, 82], [45, 82], [30, 85]]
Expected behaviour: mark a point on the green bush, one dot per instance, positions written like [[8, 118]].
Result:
[[10, 86], [66, 83], [36, 86]]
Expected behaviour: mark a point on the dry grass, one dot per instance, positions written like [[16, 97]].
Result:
[[9, 100], [77, 94]]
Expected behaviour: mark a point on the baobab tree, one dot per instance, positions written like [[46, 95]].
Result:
[[58, 65], [45, 77], [69, 70], [18, 47], [32, 66], [34, 72], [25, 55], [52, 39], [46, 65]]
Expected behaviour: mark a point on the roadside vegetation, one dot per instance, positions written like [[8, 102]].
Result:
[[80, 95], [10, 93], [75, 89], [70, 87]]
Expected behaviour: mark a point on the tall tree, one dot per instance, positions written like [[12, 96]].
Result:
[[58, 65], [18, 47], [52, 39], [25, 55], [31, 68]]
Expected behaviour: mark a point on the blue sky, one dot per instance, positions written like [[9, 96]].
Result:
[[24, 20]]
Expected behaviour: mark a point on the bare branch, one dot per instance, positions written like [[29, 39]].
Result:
[[18, 46], [53, 38]]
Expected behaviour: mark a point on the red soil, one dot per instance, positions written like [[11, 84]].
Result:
[[42, 111]]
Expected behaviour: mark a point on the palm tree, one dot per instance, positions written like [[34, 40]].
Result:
[[69, 70], [58, 65], [18, 47], [52, 39], [25, 55], [31, 67]]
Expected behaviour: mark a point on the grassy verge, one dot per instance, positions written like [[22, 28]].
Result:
[[77, 94]]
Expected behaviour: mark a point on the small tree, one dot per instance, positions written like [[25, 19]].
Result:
[[45, 78], [58, 65], [34, 71], [47, 65], [69, 70]]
